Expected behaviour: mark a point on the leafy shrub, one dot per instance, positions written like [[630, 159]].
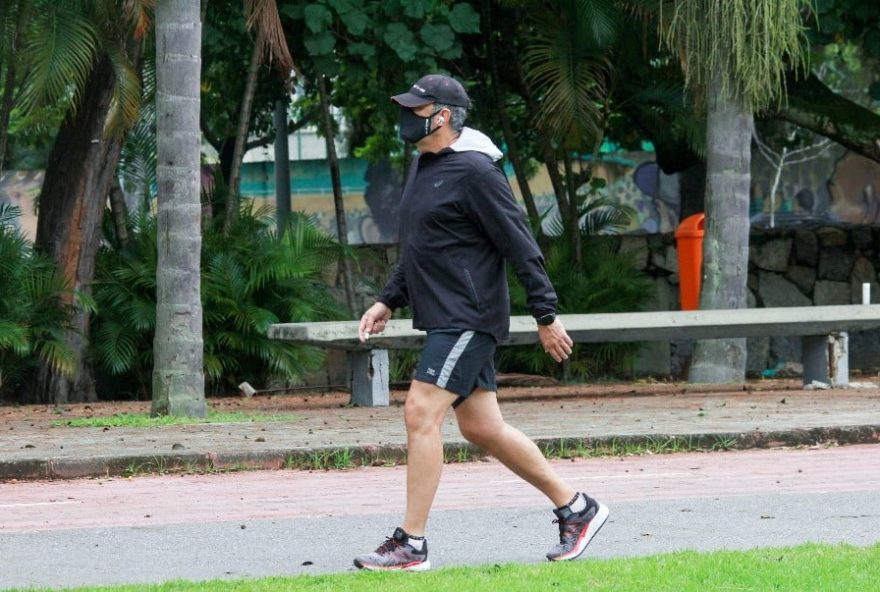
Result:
[[35, 308], [251, 279], [607, 282]]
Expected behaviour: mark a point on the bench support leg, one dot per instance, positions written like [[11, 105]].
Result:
[[826, 359], [368, 378]]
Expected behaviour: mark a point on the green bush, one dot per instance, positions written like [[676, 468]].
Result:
[[251, 279], [35, 308], [608, 281]]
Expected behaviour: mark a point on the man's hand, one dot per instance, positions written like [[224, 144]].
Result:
[[373, 321], [555, 340]]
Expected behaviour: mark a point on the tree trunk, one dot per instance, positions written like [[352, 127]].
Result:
[[178, 367], [726, 241], [244, 122], [571, 220], [71, 204], [119, 211], [341, 225], [282, 168], [509, 137], [547, 154], [9, 86]]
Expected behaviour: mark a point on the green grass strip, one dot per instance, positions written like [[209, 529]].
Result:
[[809, 567], [143, 420]]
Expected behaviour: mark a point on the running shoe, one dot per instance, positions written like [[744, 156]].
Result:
[[576, 530], [395, 554]]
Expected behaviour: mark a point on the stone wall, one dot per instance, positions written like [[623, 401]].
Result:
[[787, 267]]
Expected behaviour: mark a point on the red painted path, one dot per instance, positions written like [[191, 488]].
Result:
[[147, 501]]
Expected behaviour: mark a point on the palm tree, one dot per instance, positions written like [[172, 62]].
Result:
[[82, 55], [567, 71], [735, 55], [178, 375], [33, 315]]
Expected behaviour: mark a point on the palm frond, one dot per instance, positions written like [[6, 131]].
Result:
[[570, 74], [262, 16], [137, 162], [755, 43], [604, 216], [9, 214], [116, 347], [60, 53], [126, 100], [14, 337], [602, 19], [57, 353]]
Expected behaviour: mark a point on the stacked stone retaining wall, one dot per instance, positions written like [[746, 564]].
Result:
[[787, 267]]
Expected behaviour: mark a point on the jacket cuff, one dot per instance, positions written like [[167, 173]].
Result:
[[392, 303], [539, 312]]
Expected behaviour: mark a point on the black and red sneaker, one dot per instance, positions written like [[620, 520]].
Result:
[[395, 554], [576, 530]]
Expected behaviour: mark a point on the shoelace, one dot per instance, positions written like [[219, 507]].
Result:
[[563, 526], [389, 545]]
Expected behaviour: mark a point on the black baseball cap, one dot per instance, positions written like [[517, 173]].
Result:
[[434, 88]]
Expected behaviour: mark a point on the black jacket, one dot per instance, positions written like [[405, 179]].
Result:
[[459, 222]]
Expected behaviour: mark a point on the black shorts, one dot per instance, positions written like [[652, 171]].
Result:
[[458, 361]]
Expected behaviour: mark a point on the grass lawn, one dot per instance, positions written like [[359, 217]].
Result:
[[807, 568]]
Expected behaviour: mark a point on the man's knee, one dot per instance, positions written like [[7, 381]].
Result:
[[425, 407], [483, 433]]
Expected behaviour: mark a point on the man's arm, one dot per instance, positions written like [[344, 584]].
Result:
[[393, 296], [492, 204]]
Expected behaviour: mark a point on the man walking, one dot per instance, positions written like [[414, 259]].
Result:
[[459, 223]]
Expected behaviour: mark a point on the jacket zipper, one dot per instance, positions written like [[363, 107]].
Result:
[[470, 280]]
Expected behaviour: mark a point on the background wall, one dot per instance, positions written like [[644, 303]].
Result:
[[788, 267]]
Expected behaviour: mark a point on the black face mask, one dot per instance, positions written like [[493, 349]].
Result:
[[413, 127]]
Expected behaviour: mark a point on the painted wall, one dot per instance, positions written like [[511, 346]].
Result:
[[836, 186]]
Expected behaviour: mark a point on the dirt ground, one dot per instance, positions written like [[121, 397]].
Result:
[[511, 387]]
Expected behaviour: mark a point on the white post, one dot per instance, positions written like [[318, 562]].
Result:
[[866, 293]]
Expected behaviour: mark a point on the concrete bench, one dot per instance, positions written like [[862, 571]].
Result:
[[823, 330]]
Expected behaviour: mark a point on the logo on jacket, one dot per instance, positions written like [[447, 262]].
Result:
[[431, 372], [438, 183]]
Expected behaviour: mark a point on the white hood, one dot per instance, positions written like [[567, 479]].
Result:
[[472, 140]]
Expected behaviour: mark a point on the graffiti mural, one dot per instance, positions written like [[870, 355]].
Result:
[[837, 186]]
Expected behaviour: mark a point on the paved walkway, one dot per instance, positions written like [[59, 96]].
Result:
[[34, 446]]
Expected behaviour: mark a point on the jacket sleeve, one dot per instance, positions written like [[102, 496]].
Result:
[[395, 295], [493, 206]]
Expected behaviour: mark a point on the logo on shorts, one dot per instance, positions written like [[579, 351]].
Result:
[[431, 372]]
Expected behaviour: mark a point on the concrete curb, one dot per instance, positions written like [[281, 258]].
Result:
[[378, 455]]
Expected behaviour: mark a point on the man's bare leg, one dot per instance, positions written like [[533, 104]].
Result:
[[480, 422], [426, 406]]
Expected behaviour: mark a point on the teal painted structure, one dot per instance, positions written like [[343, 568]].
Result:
[[307, 177]]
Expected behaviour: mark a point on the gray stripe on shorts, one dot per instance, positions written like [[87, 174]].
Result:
[[452, 358]]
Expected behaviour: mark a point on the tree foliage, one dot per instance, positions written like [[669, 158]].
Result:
[[608, 281], [250, 280], [33, 310], [753, 42]]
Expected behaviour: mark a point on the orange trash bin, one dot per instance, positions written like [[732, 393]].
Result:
[[689, 244]]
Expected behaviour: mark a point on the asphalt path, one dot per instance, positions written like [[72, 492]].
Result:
[[254, 524]]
